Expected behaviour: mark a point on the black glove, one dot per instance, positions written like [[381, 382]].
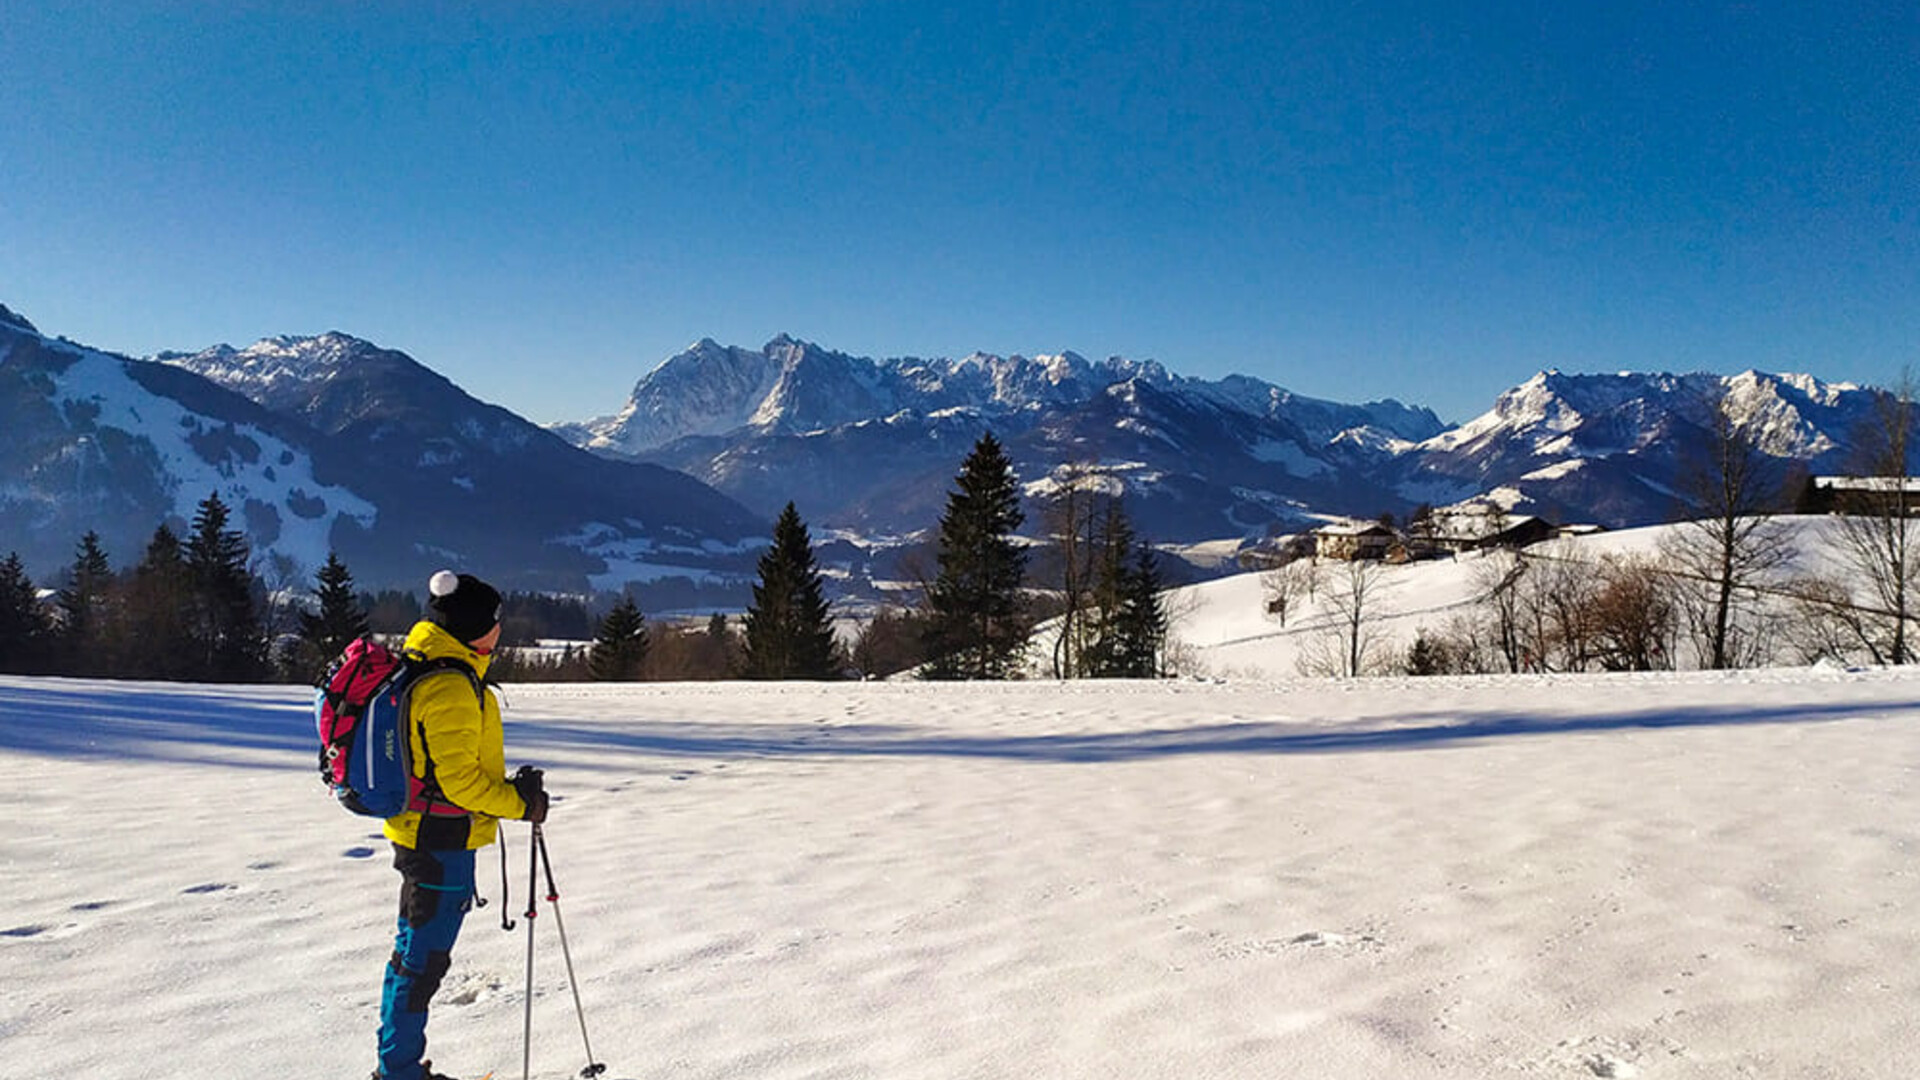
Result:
[[532, 786]]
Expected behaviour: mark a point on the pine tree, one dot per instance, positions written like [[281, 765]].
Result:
[[620, 646], [325, 633], [1132, 619], [158, 611], [86, 611], [788, 634], [1140, 623], [977, 624], [24, 626], [227, 639]]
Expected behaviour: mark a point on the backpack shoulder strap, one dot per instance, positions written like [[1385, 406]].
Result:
[[425, 668]]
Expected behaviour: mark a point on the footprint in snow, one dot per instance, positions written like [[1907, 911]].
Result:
[[357, 853], [209, 887], [24, 931]]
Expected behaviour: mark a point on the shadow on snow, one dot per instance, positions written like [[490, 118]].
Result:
[[188, 723], [156, 722], [1241, 737]]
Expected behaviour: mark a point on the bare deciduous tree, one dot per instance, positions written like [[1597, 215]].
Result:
[[1732, 544], [1824, 622], [1350, 647], [1282, 585], [1068, 518], [1496, 579], [1882, 545], [1631, 617]]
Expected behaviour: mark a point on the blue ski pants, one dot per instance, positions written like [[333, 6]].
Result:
[[436, 890]]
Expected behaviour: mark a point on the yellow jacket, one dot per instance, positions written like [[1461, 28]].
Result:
[[461, 732]]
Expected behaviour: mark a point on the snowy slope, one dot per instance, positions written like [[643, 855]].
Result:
[[1222, 627], [1681, 875], [98, 441], [1678, 877]]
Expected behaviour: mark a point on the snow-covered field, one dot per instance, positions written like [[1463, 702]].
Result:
[[1659, 876], [1244, 875]]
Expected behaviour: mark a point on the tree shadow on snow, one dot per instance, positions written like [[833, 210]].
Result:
[[253, 727], [153, 721], [1241, 737]]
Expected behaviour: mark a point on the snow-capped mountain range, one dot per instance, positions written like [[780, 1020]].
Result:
[[870, 446], [333, 443]]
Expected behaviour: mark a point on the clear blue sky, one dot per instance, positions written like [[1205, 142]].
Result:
[[543, 200]]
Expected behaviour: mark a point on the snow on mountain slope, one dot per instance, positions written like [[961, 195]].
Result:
[[791, 386], [248, 467], [465, 480], [272, 365], [118, 446], [858, 437], [1236, 456], [1639, 435]]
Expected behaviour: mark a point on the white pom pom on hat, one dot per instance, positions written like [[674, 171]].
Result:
[[466, 606]]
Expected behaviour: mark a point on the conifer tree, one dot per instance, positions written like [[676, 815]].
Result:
[[1132, 620], [227, 638], [620, 646], [977, 624], [325, 633], [158, 611], [1140, 622], [788, 635], [86, 611], [24, 626]]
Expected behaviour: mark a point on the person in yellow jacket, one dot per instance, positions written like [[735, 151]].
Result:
[[461, 793]]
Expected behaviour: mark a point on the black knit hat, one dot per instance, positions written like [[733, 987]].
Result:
[[463, 605]]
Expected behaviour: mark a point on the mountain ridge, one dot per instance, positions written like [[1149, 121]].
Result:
[[1200, 458], [334, 444], [682, 479]]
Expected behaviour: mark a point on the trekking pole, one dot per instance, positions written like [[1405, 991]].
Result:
[[506, 897], [593, 1068], [533, 893]]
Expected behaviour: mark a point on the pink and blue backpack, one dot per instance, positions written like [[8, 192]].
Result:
[[360, 711]]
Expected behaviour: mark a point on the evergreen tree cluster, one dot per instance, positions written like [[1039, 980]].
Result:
[[192, 609], [1129, 627]]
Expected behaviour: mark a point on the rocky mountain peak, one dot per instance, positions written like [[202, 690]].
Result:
[[8, 317]]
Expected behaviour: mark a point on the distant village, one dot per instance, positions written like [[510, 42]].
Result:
[[1482, 524]]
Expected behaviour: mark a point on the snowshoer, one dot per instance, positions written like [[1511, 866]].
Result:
[[459, 756]]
